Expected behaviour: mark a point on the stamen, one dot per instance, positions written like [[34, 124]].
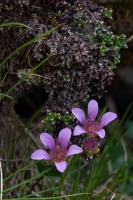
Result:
[[58, 154]]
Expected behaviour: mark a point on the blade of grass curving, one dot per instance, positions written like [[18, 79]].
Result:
[[87, 181], [103, 156], [24, 161], [9, 151], [98, 174], [49, 198], [1, 180], [124, 173], [18, 171], [25, 182], [28, 73], [118, 179], [89, 178], [101, 166], [72, 185], [68, 170], [25, 45], [77, 180], [43, 191], [53, 184], [43, 187], [125, 176], [1, 94], [14, 24], [27, 125]]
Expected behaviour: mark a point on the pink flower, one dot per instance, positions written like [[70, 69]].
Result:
[[58, 151], [90, 125]]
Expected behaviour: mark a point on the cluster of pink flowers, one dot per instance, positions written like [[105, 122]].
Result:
[[59, 150]]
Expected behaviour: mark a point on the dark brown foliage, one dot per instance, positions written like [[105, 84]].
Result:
[[77, 69]]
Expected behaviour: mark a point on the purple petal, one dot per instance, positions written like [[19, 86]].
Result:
[[80, 115], [107, 118], [92, 109], [78, 130], [47, 140], [101, 133], [40, 154], [64, 137], [61, 166], [74, 149]]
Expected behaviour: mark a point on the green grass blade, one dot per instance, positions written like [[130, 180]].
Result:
[[25, 182], [14, 24], [18, 171], [5, 95], [28, 73], [25, 45], [43, 191], [50, 198]]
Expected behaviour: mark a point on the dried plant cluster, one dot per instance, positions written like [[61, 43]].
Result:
[[81, 65]]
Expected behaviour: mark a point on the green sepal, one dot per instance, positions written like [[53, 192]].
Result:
[[90, 154]]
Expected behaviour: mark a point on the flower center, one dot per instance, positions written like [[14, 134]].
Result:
[[92, 127], [58, 154]]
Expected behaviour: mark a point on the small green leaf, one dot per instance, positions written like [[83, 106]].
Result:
[[108, 13], [116, 60], [99, 26], [108, 38], [80, 22], [113, 65], [103, 49]]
